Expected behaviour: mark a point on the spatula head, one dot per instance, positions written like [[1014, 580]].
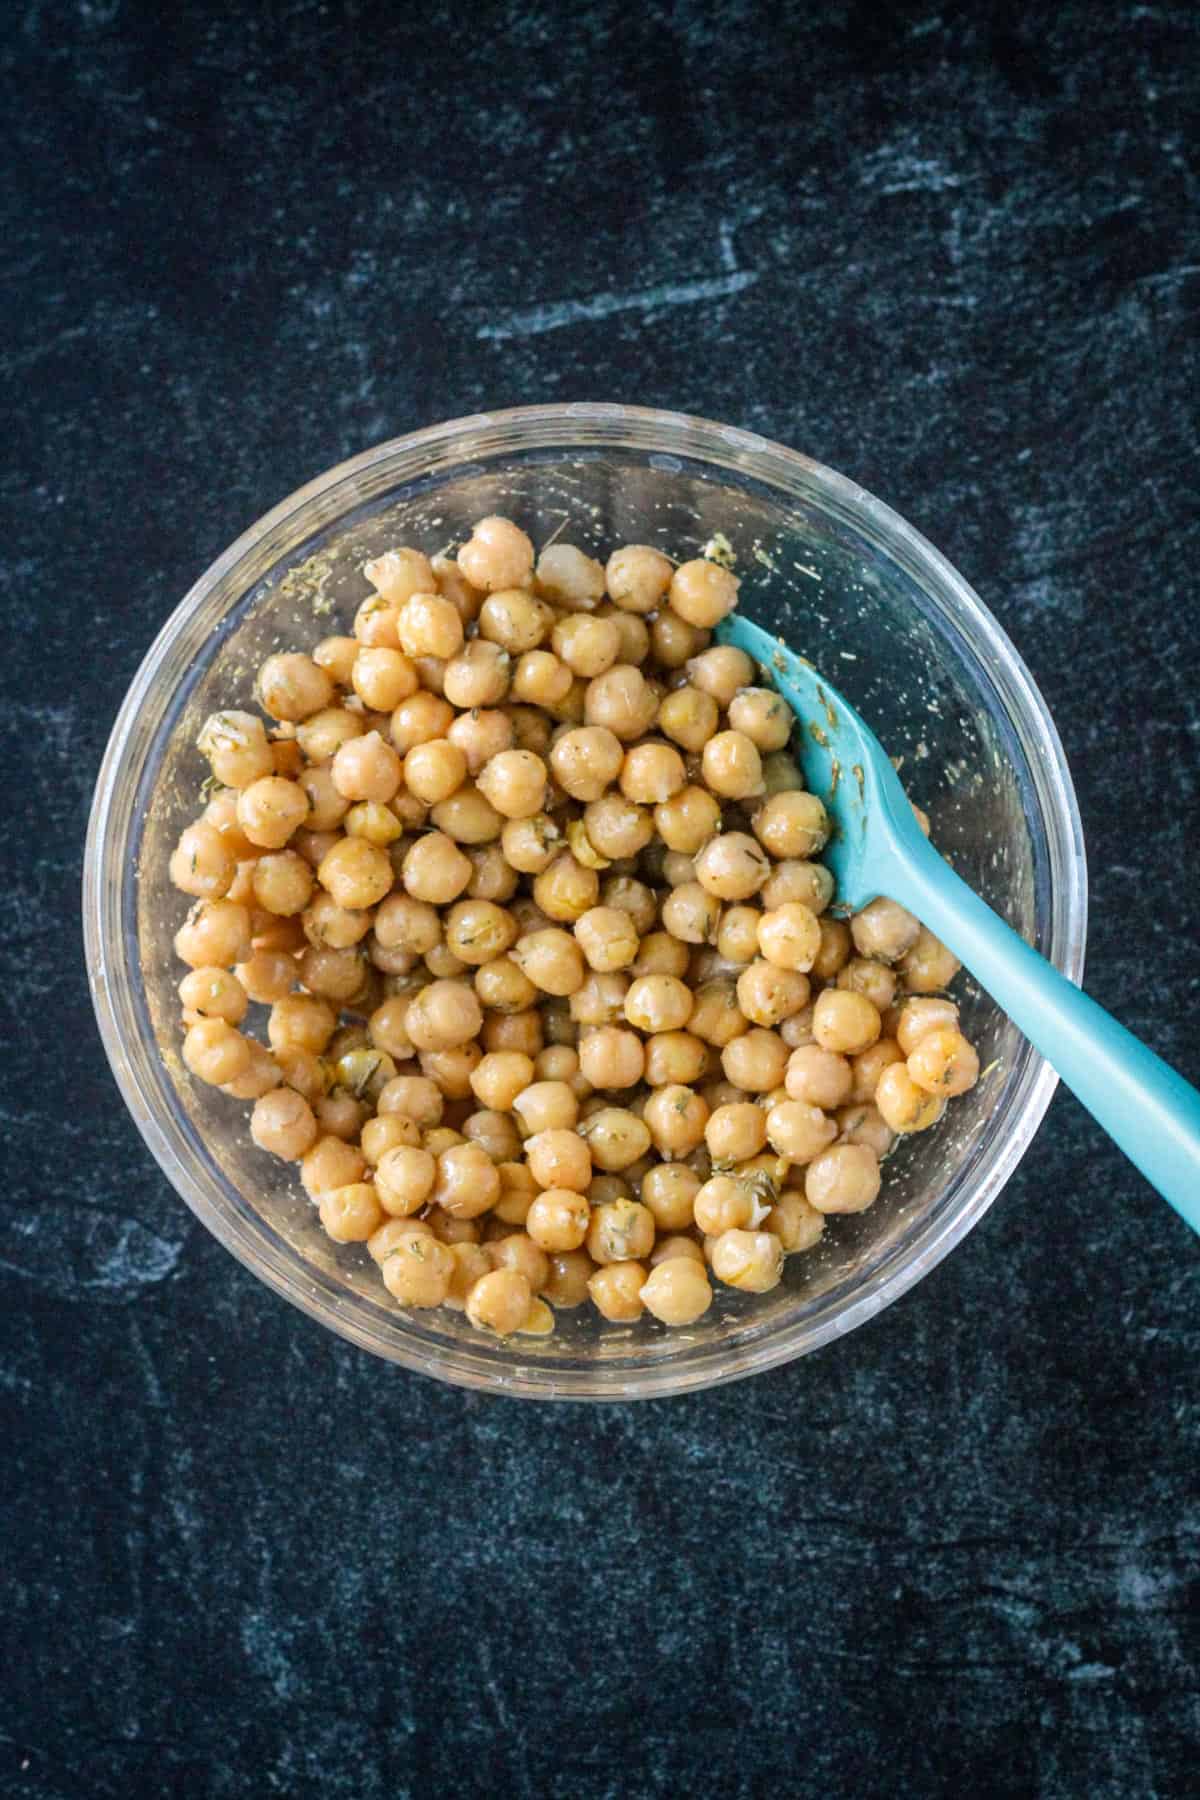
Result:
[[842, 761]]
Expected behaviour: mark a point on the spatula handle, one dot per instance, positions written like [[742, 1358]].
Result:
[[1142, 1103]]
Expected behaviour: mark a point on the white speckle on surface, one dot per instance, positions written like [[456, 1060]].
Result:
[[554, 314]]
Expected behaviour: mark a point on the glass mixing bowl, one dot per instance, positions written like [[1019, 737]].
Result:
[[824, 565]]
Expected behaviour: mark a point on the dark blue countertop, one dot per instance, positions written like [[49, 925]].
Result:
[[949, 249]]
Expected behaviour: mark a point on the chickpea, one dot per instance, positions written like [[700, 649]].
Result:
[[928, 965], [351, 1214], [587, 645], [721, 672], [660, 954], [547, 1106], [843, 1179], [616, 1291], [382, 678], [676, 1118], [795, 1222], [637, 578], [768, 995], [235, 745], [845, 1022], [651, 773], [755, 1061], [677, 1291], [904, 1106], [541, 679], [499, 1077], [261, 1075], [667, 1249], [611, 1058], [283, 1123], [322, 736], [763, 716], [780, 774], [415, 1097], [418, 1270], [514, 782], [884, 930], [944, 1062], [874, 979], [820, 1077], [444, 1015], [567, 1285], [688, 717], [732, 766], [616, 1139], [466, 1183], [865, 1124], [716, 1017], [688, 820], [607, 938], [620, 1231], [834, 952], [799, 1130], [519, 1251], [434, 770], [737, 934], [477, 931], [560, 1158], [512, 618], [202, 864], [633, 897], [216, 934], [703, 592], [399, 573], [500, 1302], [600, 1000], [435, 870], [215, 1052], [375, 623], [420, 719], [270, 809], [479, 676], [293, 687], [404, 1178], [213, 993], [337, 656], [302, 1021], [586, 760], [869, 1065], [658, 1003], [808, 882], [692, 914], [736, 1132], [792, 825], [503, 987], [327, 807], [393, 1232], [749, 1260], [329, 1165], [282, 883], [731, 866], [674, 1058], [379, 1135], [558, 1220], [551, 959], [620, 702], [471, 1263], [567, 889]]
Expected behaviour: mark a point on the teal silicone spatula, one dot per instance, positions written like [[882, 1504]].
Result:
[[878, 848]]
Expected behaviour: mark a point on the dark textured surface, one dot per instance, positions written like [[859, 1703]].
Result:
[[954, 255]]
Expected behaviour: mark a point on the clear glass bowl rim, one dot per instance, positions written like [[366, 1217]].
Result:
[[108, 871]]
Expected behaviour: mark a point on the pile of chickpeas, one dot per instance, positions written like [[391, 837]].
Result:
[[528, 879]]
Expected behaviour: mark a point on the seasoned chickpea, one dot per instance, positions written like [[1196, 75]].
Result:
[[799, 1130], [634, 897], [443, 1015], [620, 702], [834, 952], [292, 686], [676, 1118], [337, 656], [497, 555], [610, 1057], [414, 1096], [478, 931], [467, 816], [418, 1270], [503, 987], [499, 1077], [382, 678], [479, 675], [666, 1249], [749, 1260], [884, 930], [379, 1135], [795, 1221], [721, 671], [270, 809], [434, 770], [869, 1065], [865, 1124], [923, 1014], [512, 618], [845, 1022], [567, 889], [600, 999], [661, 954], [213, 993], [944, 1062], [674, 1058], [398, 573], [547, 1106], [874, 979], [215, 1052], [616, 1138], [928, 965], [616, 1291], [780, 773], [569, 577], [351, 1214], [717, 1018], [421, 719], [467, 1183], [404, 1178], [236, 746], [540, 679], [688, 820], [567, 1285], [216, 933], [392, 1233], [586, 760], [688, 716], [732, 766], [551, 959], [843, 1179], [792, 825], [514, 782], [435, 870], [731, 866], [737, 934], [904, 1106], [808, 882], [652, 773], [669, 1190], [260, 1076], [763, 716], [755, 1061], [558, 1220], [703, 592], [658, 1003], [587, 645], [330, 1164], [202, 864], [637, 577], [500, 1302], [620, 1231], [736, 1132], [356, 873], [518, 1251], [692, 914], [282, 883], [821, 1077], [471, 1263], [608, 938], [768, 995], [677, 1291], [560, 1158]]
